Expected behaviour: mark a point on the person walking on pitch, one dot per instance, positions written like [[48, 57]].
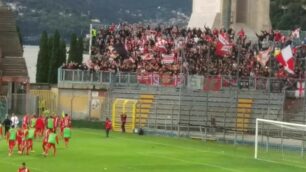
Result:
[[108, 126], [11, 139], [52, 141]]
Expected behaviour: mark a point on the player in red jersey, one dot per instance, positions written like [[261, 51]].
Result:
[[52, 140], [67, 136], [40, 125], [1, 133], [56, 122], [20, 140], [25, 121], [65, 122], [11, 139], [29, 137], [23, 168], [45, 140], [108, 126]]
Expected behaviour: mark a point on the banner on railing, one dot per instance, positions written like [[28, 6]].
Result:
[[155, 79], [195, 82], [244, 84], [212, 83]]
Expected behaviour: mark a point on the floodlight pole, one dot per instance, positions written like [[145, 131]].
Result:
[[90, 40], [256, 138]]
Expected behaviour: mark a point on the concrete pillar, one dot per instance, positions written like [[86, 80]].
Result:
[[252, 15], [206, 13], [227, 13]]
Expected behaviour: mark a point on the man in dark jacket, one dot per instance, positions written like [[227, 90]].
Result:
[[7, 124]]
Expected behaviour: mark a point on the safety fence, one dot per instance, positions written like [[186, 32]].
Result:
[[193, 82], [224, 115]]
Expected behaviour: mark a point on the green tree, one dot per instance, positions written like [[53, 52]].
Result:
[[73, 51], [80, 49], [43, 59], [54, 59], [63, 51]]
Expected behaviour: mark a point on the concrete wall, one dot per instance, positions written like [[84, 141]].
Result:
[[81, 104], [204, 13], [255, 14]]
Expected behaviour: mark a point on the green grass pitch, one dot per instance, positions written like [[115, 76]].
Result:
[[90, 151]]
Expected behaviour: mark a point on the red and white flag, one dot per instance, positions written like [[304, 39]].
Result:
[[300, 92], [168, 58], [263, 56], [223, 48], [285, 58]]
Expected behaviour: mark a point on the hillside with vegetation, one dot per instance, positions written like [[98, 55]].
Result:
[[74, 16]]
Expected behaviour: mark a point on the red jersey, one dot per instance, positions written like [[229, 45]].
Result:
[[56, 122], [20, 134], [22, 169], [25, 120], [40, 123], [67, 122], [108, 124]]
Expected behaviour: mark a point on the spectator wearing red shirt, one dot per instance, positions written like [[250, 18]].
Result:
[[23, 168], [108, 126], [123, 122]]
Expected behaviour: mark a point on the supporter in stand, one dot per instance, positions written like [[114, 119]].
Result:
[[163, 50]]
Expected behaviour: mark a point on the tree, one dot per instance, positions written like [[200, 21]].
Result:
[[54, 59], [73, 51], [43, 59], [63, 51], [80, 49]]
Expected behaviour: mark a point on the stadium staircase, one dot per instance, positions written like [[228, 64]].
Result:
[[195, 111], [244, 112], [144, 107]]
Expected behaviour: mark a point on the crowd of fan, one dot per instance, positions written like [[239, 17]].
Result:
[[143, 49]]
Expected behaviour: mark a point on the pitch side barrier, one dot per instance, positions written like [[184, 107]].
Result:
[[192, 82]]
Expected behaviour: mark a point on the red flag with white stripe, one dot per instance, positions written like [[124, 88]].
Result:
[[285, 58], [223, 48]]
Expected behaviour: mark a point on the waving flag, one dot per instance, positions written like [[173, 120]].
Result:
[[300, 89], [223, 48], [263, 56], [296, 33], [285, 58]]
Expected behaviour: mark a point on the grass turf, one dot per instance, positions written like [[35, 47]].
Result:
[[90, 151]]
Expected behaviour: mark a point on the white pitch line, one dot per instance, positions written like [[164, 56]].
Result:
[[163, 144], [191, 162], [199, 150], [276, 162]]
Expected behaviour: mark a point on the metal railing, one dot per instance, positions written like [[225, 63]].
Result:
[[192, 82], [119, 78]]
